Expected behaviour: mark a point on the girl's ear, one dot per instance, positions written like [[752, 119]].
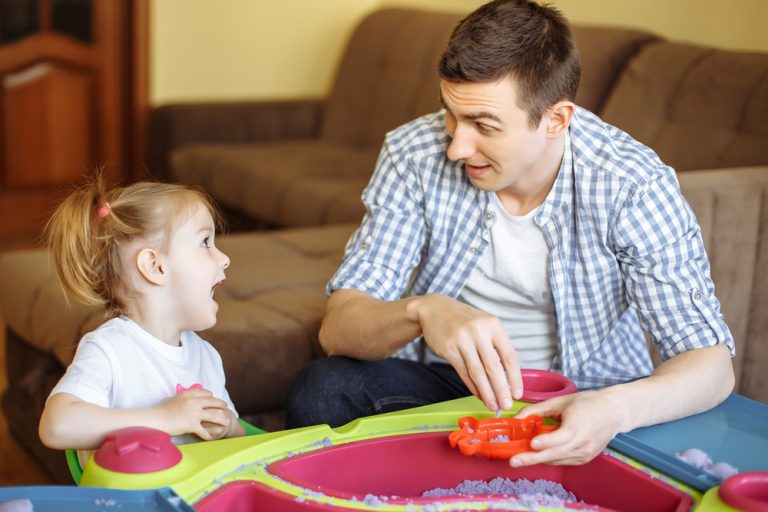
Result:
[[150, 266]]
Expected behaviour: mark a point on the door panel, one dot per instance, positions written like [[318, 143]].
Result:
[[48, 124], [67, 89]]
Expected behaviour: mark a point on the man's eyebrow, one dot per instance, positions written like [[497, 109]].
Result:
[[474, 116]]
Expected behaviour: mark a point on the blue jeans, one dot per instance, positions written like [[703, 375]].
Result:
[[336, 390]]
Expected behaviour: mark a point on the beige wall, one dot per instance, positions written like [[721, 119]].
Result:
[[243, 49], [236, 49]]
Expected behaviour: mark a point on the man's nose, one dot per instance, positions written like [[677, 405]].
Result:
[[461, 146]]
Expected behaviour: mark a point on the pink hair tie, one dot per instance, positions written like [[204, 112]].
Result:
[[104, 210]]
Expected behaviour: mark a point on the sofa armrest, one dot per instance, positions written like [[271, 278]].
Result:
[[175, 125]]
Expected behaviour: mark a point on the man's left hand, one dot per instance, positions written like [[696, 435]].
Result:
[[589, 420]]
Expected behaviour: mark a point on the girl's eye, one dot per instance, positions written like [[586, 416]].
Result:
[[206, 243]]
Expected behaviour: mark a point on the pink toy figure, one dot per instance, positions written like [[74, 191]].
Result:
[[181, 389]]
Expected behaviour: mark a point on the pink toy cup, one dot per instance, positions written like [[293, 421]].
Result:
[[746, 491], [539, 385]]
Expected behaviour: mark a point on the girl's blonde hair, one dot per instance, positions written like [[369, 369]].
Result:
[[88, 228]]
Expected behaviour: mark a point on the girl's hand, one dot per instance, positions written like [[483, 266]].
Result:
[[189, 412], [235, 429]]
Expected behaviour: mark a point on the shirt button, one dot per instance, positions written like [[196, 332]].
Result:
[[488, 215], [697, 296], [473, 250], [364, 245]]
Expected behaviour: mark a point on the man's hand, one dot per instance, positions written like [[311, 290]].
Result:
[[589, 420], [688, 383], [189, 412], [475, 344]]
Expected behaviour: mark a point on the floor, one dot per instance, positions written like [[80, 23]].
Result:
[[17, 467]]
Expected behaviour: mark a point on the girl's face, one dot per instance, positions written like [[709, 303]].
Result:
[[195, 268]]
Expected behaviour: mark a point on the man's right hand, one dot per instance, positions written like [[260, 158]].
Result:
[[474, 343]]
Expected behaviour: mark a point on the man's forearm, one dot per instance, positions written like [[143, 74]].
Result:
[[689, 383], [357, 325]]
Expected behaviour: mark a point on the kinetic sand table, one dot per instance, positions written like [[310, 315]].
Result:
[[386, 462]]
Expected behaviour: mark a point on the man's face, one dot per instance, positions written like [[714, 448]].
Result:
[[492, 138]]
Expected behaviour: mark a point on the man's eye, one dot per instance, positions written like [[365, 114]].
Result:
[[483, 128]]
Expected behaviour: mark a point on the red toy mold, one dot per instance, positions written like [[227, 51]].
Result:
[[746, 491], [539, 385], [137, 450], [497, 438]]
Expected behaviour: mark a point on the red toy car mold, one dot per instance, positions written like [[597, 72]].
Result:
[[497, 438]]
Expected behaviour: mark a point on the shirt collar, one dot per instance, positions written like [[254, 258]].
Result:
[[558, 200]]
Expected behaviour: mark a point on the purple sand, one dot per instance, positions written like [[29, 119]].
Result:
[[22, 505], [500, 485], [701, 459], [501, 438]]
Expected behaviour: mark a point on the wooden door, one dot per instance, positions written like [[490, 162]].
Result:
[[72, 98]]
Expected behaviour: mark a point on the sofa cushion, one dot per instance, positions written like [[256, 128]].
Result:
[[387, 76], [698, 107], [289, 183], [604, 53]]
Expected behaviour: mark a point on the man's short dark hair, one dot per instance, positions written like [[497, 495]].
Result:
[[531, 43]]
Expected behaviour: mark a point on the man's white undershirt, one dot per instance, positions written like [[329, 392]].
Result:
[[511, 281]]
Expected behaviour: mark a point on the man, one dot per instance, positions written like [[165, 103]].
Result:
[[514, 229]]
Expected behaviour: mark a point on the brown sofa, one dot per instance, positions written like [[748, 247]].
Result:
[[303, 164]]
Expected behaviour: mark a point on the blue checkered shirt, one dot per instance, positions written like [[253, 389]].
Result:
[[626, 253]]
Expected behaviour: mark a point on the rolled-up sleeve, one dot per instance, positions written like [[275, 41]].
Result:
[[380, 256], [666, 269]]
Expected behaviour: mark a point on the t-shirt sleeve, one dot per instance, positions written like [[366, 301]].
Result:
[[89, 377]]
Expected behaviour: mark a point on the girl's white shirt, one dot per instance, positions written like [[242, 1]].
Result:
[[122, 366]]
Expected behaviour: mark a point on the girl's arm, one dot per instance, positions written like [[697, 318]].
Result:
[[70, 423]]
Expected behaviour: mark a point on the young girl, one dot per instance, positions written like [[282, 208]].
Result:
[[147, 253]]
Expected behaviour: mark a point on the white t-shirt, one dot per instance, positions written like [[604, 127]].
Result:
[[511, 281], [122, 366]]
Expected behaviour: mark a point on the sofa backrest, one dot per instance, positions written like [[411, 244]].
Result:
[[604, 54], [388, 74], [697, 107], [732, 208]]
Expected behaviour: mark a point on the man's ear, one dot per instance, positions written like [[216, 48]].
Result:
[[150, 266], [560, 115]]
